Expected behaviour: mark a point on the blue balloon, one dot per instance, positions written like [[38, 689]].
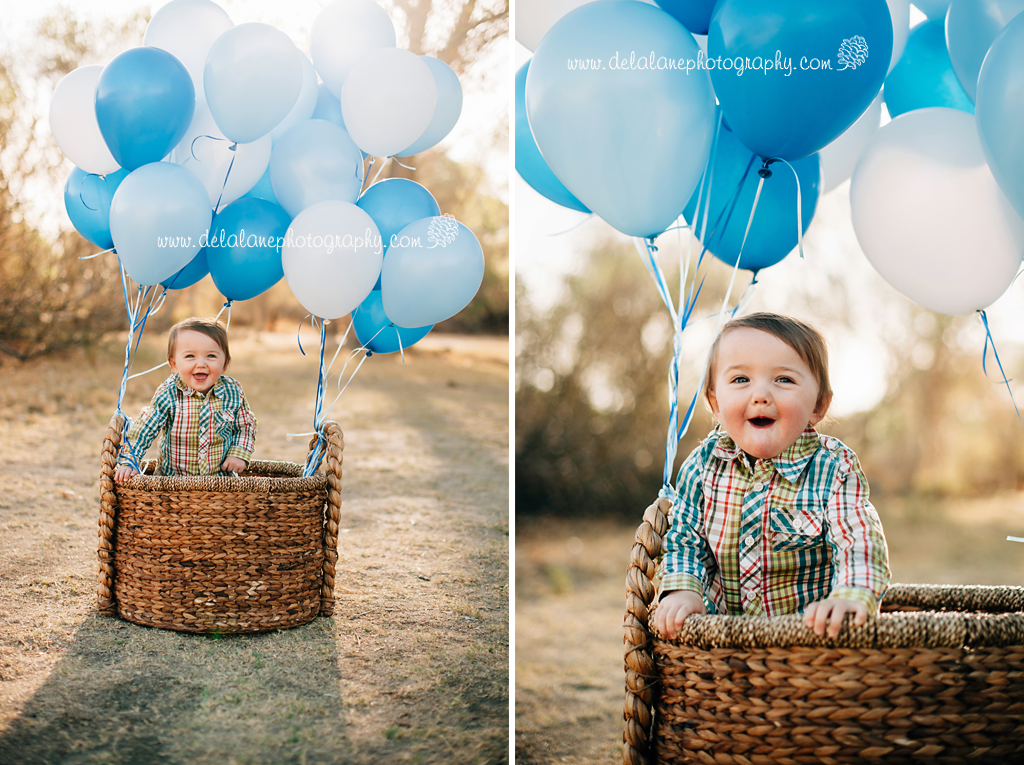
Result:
[[376, 331], [529, 163], [196, 269], [923, 76], [144, 104], [814, 68], [773, 232], [431, 272], [393, 204], [628, 137], [314, 161], [87, 199], [695, 15], [971, 26], [1000, 111], [328, 107], [244, 250], [263, 189]]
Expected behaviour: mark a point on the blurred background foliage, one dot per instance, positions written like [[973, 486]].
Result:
[[50, 300], [592, 401]]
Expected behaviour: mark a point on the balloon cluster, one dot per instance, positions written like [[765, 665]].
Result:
[[616, 115], [213, 148]]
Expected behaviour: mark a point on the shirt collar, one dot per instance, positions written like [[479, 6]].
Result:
[[790, 464], [216, 390]]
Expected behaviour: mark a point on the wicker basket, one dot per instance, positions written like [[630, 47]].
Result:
[[219, 554], [937, 677]]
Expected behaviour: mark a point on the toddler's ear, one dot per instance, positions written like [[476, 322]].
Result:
[[819, 413]]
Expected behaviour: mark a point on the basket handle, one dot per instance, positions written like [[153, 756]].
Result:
[[639, 659], [108, 509], [333, 457]]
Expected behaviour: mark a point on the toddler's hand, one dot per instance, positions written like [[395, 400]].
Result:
[[234, 465], [123, 472], [831, 612], [674, 608]]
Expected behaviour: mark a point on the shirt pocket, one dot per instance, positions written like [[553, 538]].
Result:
[[224, 422], [796, 527]]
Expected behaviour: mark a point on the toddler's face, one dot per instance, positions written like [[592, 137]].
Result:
[[765, 395], [198, 360]]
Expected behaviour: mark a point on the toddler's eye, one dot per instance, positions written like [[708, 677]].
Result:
[[785, 379], [740, 379]]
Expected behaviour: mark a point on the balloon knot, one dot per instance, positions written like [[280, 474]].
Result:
[[233, 146], [369, 353], [764, 172]]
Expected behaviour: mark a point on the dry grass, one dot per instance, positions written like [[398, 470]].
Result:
[[570, 600], [412, 668]]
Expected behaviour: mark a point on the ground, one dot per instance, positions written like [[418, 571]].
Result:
[[413, 666], [570, 601]]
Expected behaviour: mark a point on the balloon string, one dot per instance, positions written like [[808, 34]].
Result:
[[395, 160], [984, 354], [227, 306], [82, 192], [366, 174], [381, 170], [317, 454], [575, 226], [231, 164], [192, 146], [96, 255], [799, 215]]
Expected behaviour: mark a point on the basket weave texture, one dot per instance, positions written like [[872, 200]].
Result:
[[220, 554], [937, 677]]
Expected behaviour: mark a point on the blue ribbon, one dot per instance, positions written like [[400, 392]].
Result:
[[984, 354], [317, 454]]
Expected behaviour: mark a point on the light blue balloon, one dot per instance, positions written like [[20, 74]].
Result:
[[263, 189], [628, 141], [773, 232], [1000, 111], [923, 76], [144, 104], [328, 107], [695, 15], [158, 218], [87, 199], [529, 163], [432, 271], [792, 112], [971, 26], [312, 162], [377, 333], [196, 269], [244, 250], [446, 111], [393, 204]]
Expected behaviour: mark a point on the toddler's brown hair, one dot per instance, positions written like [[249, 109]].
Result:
[[212, 328]]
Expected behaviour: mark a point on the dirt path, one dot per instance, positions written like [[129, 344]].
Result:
[[412, 668]]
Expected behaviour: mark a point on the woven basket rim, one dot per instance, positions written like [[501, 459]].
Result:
[[284, 477]]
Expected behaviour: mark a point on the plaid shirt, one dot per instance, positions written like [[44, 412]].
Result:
[[774, 538], [200, 431]]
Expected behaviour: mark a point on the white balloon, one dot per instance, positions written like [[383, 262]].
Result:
[[342, 33], [73, 121], [209, 159], [304, 104], [332, 256], [840, 157], [899, 10], [446, 110], [253, 77], [929, 215], [388, 101], [187, 30], [535, 17]]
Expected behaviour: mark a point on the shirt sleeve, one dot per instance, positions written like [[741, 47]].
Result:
[[150, 422], [856, 538], [245, 442], [687, 558]]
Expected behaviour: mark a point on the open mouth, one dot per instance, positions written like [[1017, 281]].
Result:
[[761, 422]]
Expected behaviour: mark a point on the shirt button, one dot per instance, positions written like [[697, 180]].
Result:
[[799, 523], [830, 443], [749, 541], [758, 486]]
